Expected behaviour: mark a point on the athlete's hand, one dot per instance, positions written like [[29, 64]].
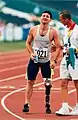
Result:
[[32, 56], [52, 64]]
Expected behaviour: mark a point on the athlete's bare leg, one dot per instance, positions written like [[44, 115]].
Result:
[[29, 90], [28, 94]]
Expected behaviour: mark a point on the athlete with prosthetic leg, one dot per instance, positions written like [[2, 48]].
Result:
[[42, 36]]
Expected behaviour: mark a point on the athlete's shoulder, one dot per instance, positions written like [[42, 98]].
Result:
[[33, 28], [54, 30]]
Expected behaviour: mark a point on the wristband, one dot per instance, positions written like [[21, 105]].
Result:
[[54, 61]]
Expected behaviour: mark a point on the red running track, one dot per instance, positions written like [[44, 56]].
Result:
[[12, 90]]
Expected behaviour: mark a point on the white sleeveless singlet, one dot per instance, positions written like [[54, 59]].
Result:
[[42, 46]]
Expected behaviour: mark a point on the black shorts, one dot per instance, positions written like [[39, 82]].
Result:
[[33, 69]]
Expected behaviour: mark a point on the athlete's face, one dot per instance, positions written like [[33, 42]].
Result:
[[45, 18]]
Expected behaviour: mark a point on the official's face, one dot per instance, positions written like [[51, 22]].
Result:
[[64, 21]]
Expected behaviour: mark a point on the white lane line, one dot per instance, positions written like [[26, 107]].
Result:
[[12, 52], [11, 78], [35, 119], [43, 88], [12, 57], [73, 119], [12, 61], [71, 91], [4, 106], [12, 68], [13, 92], [20, 66], [7, 87], [5, 91]]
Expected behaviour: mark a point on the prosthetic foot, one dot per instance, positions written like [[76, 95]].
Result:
[[47, 95], [48, 110]]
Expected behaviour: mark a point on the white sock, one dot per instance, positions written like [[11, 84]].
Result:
[[76, 104], [65, 104]]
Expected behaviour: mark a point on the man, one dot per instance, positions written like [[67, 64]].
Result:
[[41, 35], [69, 63]]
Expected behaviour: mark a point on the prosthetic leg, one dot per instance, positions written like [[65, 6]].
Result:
[[47, 95]]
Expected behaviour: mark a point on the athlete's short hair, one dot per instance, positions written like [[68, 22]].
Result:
[[49, 12], [65, 14]]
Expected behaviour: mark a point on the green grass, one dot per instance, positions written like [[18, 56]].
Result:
[[12, 46]]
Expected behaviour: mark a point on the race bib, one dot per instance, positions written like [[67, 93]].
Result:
[[41, 52]]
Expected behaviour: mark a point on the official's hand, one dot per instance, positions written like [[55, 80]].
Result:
[[76, 50]]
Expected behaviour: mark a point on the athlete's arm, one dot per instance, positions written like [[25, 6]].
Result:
[[57, 44], [29, 41]]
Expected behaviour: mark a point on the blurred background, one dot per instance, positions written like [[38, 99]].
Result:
[[18, 16]]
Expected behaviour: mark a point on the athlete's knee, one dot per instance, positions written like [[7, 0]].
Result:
[[31, 82], [64, 85]]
